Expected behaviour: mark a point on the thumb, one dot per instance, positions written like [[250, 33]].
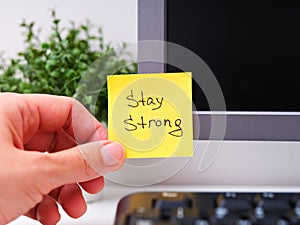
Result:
[[85, 162]]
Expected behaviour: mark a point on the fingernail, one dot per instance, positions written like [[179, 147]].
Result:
[[112, 154]]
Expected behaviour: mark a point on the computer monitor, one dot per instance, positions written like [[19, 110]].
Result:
[[252, 47], [253, 50]]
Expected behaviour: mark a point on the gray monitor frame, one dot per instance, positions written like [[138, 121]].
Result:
[[250, 126]]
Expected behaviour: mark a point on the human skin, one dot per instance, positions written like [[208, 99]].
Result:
[[32, 183]]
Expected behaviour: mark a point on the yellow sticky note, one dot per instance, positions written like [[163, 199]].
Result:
[[151, 114]]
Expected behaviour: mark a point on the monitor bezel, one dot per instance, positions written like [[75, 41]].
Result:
[[248, 126]]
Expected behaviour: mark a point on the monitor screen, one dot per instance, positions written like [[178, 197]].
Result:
[[252, 47]]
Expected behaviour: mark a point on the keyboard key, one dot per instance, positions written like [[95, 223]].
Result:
[[185, 216], [201, 222], [243, 222], [171, 200], [282, 222], [259, 213], [165, 213], [272, 202], [221, 212], [234, 201], [144, 222], [172, 208]]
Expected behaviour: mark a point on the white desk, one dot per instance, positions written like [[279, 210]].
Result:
[[102, 211]]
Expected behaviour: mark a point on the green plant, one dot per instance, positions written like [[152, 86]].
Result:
[[58, 65]]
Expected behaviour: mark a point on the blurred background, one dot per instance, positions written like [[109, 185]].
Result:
[[118, 19]]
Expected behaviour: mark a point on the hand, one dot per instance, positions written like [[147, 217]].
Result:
[[32, 181]]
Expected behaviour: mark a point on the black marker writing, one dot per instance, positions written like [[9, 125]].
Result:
[[178, 132], [148, 101], [132, 125], [128, 122]]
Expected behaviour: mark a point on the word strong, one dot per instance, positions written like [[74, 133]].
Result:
[[136, 122]]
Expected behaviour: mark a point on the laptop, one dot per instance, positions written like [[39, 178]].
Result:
[[244, 56]]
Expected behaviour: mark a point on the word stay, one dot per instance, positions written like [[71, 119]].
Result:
[[156, 102]]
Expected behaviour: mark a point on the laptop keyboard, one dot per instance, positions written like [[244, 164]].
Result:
[[191, 208]]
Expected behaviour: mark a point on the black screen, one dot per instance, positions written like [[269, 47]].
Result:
[[252, 47]]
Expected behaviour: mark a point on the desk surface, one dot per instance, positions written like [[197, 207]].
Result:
[[102, 210]]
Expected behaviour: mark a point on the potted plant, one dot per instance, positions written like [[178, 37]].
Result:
[[58, 65]]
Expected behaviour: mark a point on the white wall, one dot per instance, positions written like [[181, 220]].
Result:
[[118, 18]]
